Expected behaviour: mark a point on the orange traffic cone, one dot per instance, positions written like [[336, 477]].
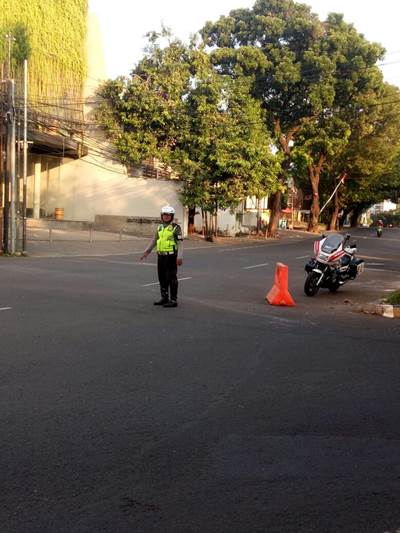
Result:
[[279, 294]]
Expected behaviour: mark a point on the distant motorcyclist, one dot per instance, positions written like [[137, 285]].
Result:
[[379, 226]]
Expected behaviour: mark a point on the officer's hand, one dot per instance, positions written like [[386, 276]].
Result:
[[145, 254], [179, 262]]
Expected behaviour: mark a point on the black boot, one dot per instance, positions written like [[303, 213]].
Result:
[[171, 303], [163, 300]]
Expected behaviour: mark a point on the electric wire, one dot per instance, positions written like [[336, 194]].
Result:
[[307, 74]]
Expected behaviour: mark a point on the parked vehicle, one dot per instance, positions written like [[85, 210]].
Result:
[[334, 264]]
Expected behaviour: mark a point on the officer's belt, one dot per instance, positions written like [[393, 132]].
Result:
[[166, 253]]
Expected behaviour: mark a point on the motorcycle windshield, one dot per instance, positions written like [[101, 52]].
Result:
[[332, 243]]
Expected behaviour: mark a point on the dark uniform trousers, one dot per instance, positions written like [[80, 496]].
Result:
[[167, 275]]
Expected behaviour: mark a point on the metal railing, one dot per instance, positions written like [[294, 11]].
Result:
[[88, 234]]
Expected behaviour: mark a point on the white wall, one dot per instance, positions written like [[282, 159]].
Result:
[[227, 222], [230, 224], [94, 186]]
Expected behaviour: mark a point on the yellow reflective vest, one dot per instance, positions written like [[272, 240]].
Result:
[[166, 241]]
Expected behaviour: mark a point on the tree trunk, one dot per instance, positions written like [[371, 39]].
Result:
[[215, 232], [313, 224], [354, 217], [258, 230], [208, 225], [204, 220], [275, 215], [333, 225], [191, 215], [284, 141], [314, 172]]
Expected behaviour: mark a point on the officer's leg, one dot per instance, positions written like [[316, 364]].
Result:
[[162, 269], [172, 281]]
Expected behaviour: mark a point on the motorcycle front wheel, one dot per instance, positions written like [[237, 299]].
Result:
[[333, 287], [311, 286]]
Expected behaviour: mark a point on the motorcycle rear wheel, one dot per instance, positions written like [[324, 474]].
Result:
[[311, 286]]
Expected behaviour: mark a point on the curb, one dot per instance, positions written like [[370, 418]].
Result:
[[385, 310]]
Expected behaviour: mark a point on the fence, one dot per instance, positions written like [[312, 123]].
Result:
[[56, 231]]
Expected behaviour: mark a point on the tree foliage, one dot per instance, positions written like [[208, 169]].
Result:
[[281, 38], [210, 129], [316, 80], [270, 76]]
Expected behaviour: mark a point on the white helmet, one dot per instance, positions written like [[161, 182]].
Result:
[[168, 210]]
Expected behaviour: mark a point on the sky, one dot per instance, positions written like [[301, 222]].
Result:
[[123, 24]]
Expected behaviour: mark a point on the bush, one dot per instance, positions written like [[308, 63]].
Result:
[[393, 298]]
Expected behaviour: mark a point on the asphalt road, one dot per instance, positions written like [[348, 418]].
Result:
[[223, 415]]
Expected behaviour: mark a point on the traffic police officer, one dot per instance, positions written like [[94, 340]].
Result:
[[168, 239]]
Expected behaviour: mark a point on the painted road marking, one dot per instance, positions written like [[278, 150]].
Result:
[[238, 247], [362, 256], [303, 257], [5, 308], [375, 264], [150, 284], [118, 262], [129, 263], [382, 270], [255, 266]]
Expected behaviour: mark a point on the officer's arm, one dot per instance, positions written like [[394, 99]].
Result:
[[179, 242], [150, 246]]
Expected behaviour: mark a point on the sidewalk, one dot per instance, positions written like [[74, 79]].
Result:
[[67, 243]]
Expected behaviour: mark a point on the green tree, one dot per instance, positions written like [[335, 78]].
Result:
[[227, 149], [274, 44], [357, 86], [313, 78], [204, 124], [143, 115], [369, 158]]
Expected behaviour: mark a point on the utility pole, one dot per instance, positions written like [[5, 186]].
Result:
[[25, 159], [2, 162], [10, 38], [10, 227], [11, 163]]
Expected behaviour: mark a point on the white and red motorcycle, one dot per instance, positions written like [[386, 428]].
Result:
[[334, 264]]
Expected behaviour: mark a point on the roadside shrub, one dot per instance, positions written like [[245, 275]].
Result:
[[393, 298]]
